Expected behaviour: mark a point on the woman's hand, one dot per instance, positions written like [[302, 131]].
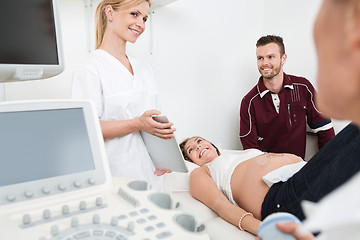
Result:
[[149, 125]]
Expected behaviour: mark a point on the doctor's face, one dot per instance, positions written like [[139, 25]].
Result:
[[129, 24], [338, 77], [200, 151]]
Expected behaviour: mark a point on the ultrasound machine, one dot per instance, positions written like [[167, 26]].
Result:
[[55, 182]]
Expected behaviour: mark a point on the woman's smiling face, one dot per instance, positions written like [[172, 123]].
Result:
[[128, 24], [200, 151]]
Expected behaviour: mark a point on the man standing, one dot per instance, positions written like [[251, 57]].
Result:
[[273, 115]]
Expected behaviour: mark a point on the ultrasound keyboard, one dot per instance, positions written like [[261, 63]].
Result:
[[55, 182], [128, 211]]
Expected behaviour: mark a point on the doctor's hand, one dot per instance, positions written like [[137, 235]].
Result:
[[149, 125], [294, 229], [160, 172], [297, 230]]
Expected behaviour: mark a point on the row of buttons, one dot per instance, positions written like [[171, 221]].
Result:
[[46, 190], [65, 210], [112, 230], [98, 233]]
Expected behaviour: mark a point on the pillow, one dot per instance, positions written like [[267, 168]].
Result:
[[179, 182]]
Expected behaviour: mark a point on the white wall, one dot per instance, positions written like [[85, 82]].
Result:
[[203, 52], [203, 55]]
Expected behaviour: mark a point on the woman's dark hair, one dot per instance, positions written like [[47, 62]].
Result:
[[183, 151]]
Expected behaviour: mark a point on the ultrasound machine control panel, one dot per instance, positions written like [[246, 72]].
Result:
[[55, 182]]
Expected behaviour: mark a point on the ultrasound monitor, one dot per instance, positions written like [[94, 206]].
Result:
[[30, 42], [48, 148]]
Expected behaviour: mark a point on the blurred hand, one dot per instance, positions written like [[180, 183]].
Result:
[[160, 172], [149, 125], [298, 231]]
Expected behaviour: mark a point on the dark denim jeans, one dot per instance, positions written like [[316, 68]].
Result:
[[332, 166]]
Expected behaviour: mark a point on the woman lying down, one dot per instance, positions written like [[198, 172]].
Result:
[[246, 187]]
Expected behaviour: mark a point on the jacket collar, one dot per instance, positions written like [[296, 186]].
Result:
[[262, 90]]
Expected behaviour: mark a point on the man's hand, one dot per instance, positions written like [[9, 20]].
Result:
[[292, 228], [297, 230]]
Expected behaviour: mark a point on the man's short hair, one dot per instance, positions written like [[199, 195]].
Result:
[[272, 39]]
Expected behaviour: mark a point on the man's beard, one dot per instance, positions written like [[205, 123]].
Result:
[[274, 72]]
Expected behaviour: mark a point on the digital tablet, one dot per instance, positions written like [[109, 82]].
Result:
[[165, 154]]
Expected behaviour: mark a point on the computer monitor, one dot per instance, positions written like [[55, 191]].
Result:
[[30, 42], [48, 148]]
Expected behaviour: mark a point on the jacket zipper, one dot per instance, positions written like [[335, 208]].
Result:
[[289, 115]]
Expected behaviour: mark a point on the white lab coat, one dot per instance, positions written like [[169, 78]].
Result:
[[118, 95]]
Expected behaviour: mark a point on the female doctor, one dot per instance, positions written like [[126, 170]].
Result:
[[122, 89]]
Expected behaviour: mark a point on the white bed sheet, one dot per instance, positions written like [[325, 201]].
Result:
[[216, 227]]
